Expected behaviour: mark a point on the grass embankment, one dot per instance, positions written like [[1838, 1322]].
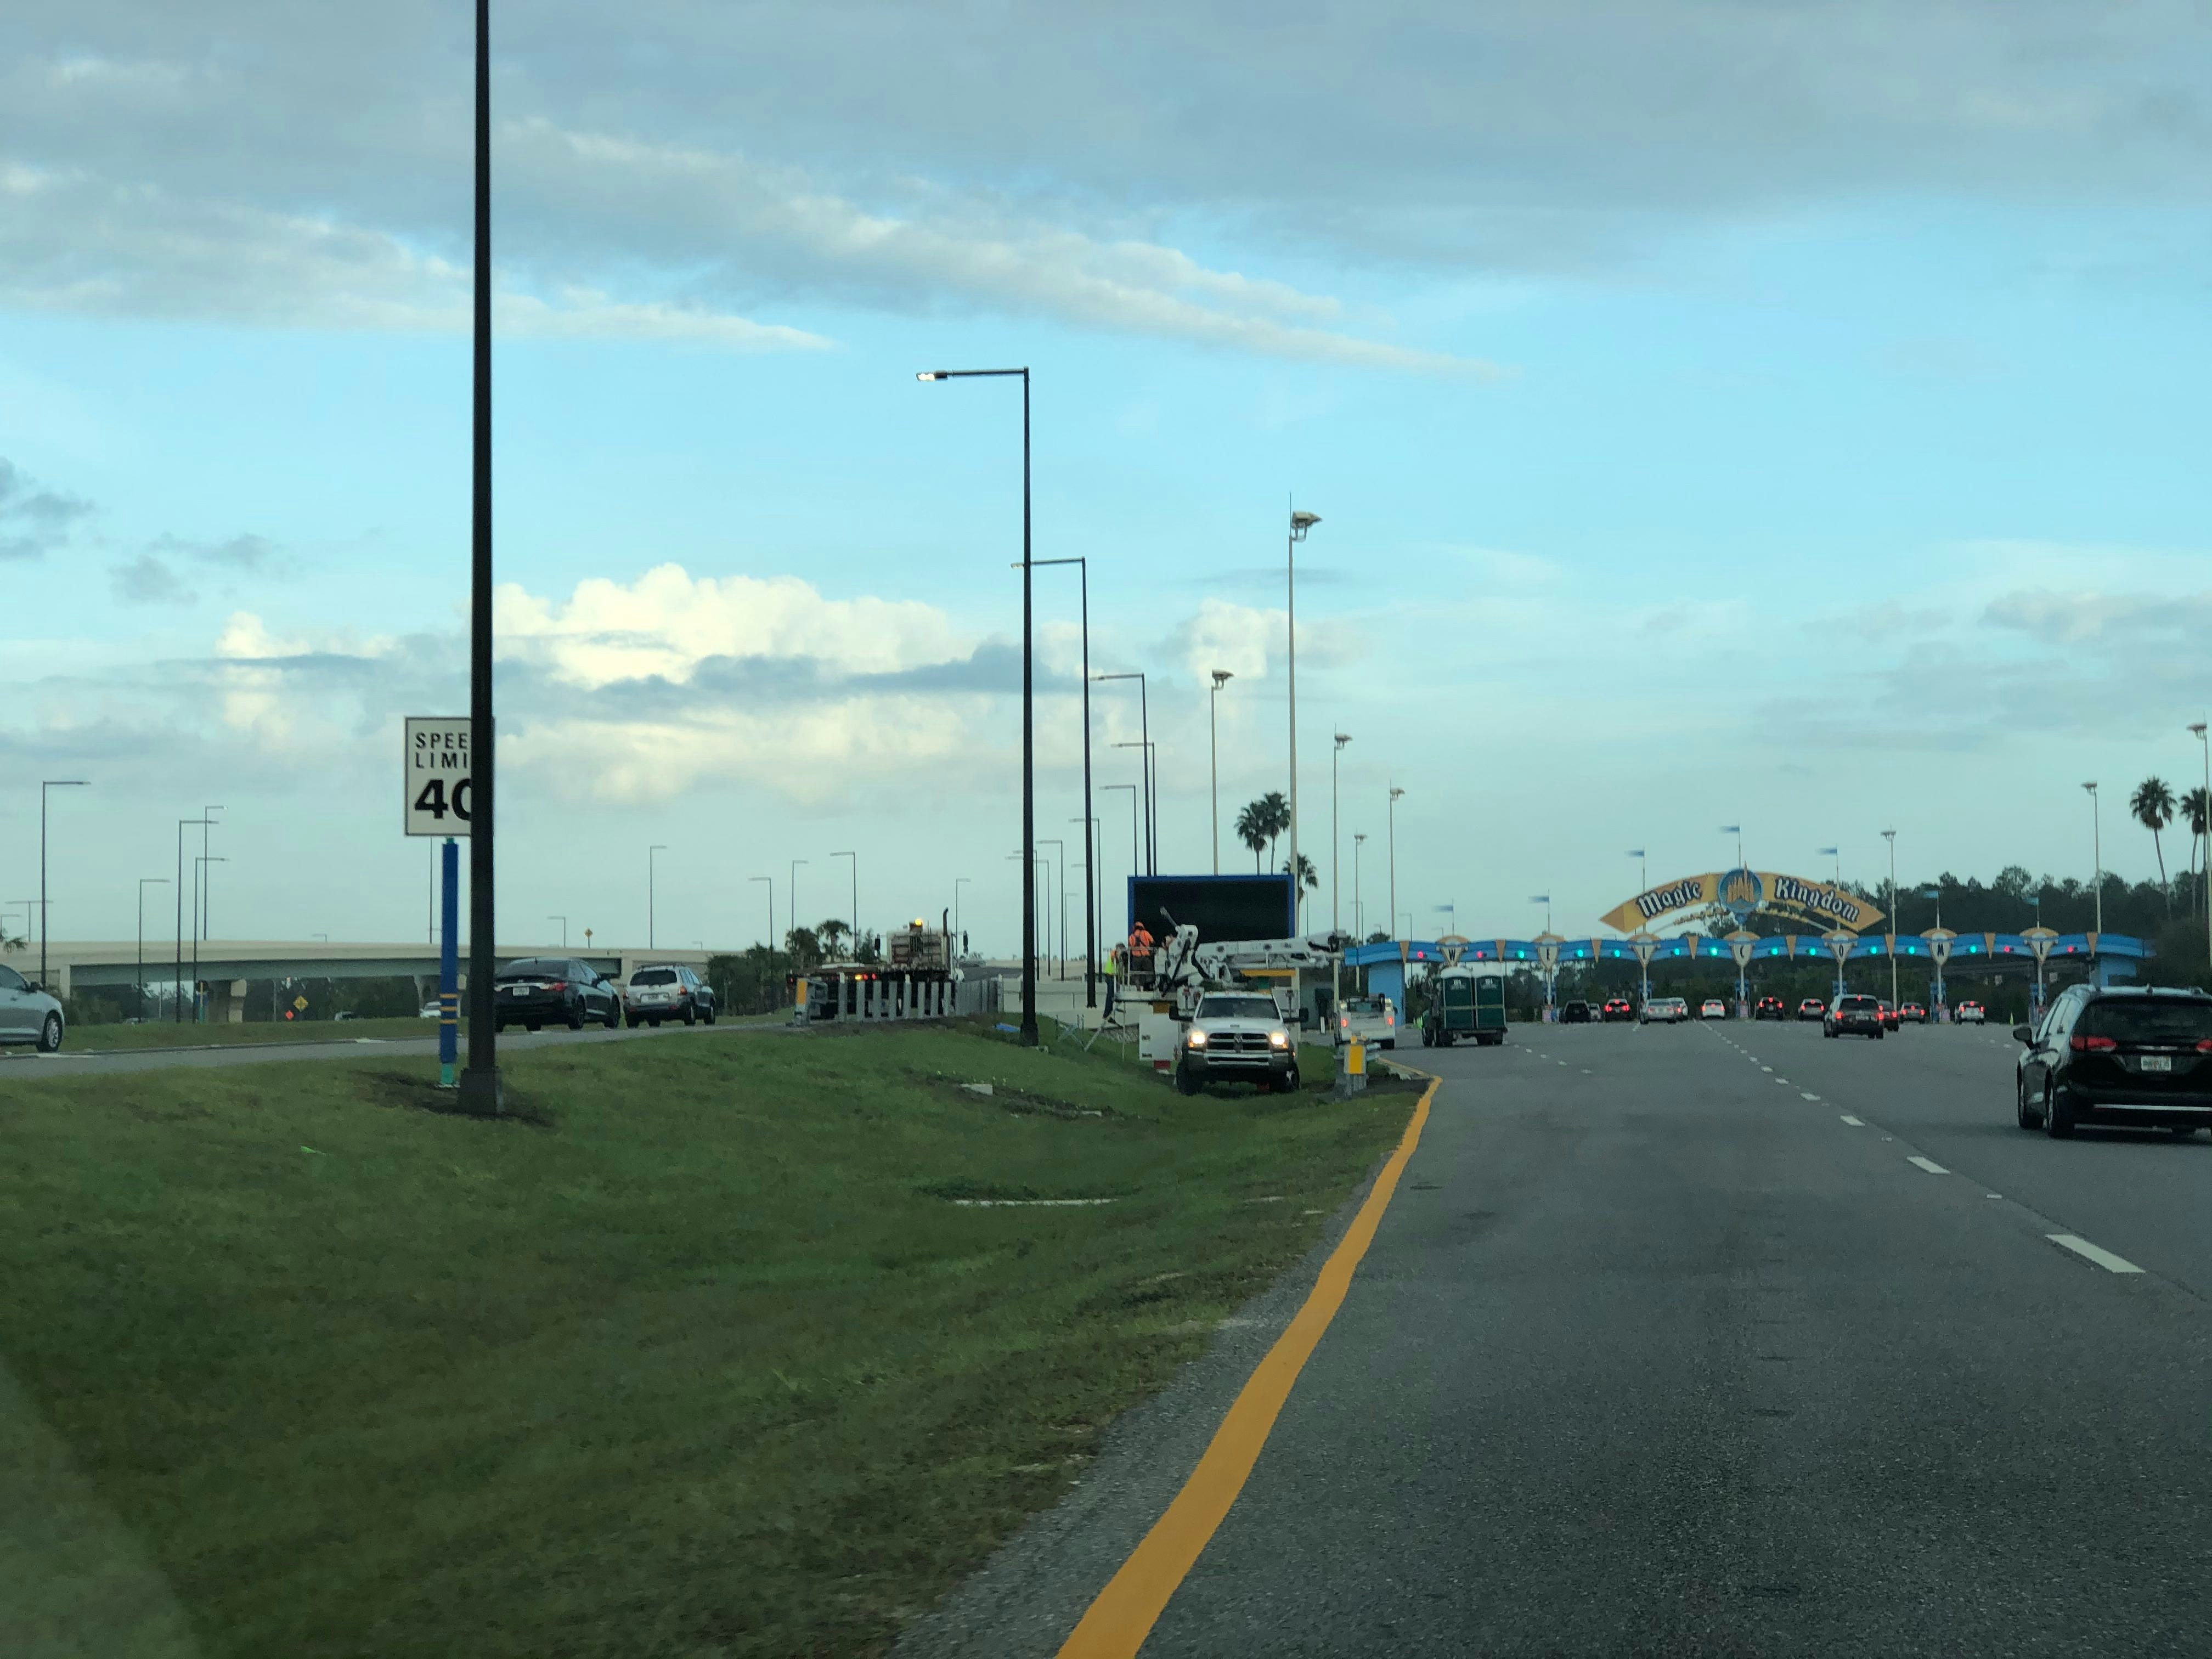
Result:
[[164, 1034], [701, 1360]]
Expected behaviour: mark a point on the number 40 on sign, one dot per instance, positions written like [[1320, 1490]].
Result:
[[436, 787]]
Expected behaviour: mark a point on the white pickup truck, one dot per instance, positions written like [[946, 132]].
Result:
[[1373, 1020]]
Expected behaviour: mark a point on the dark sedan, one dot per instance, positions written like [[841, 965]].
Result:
[[540, 991], [2139, 1056]]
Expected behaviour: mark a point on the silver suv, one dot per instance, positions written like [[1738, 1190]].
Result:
[[667, 991], [1236, 1037]]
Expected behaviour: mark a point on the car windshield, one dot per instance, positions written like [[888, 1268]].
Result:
[[2146, 1019], [654, 977], [1238, 1008]]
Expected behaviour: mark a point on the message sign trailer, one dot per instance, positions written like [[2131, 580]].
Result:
[[436, 789]]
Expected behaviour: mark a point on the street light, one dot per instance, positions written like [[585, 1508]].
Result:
[[199, 878], [1643, 869], [1890, 835], [182, 825], [1090, 913], [651, 905], [1833, 853], [1735, 830], [1358, 840], [1136, 863], [1059, 929], [1029, 729], [1144, 734], [1394, 793], [481, 1091], [2097, 846], [795, 863], [1221, 677], [1335, 844], [1300, 523], [50, 783], [854, 930], [1091, 896], [204, 900], [144, 881], [958, 882], [563, 921], [2205, 743]]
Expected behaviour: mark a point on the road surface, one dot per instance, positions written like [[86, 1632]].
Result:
[[1701, 1340]]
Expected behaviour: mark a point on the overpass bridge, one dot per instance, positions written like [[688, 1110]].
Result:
[[229, 966]]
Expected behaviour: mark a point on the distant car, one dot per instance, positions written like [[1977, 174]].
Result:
[[1912, 1012], [2139, 1056], [1373, 1020], [1854, 1016], [1769, 1008], [430, 1010], [668, 990], [27, 1014], [1574, 1013], [1712, 1008], [1617, 1008], [538, 991], [1888, 1017], [1969, 1013], [1666, 1011], [1812, 1008]]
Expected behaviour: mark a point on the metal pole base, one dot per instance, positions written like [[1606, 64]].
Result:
[[481, 1090]]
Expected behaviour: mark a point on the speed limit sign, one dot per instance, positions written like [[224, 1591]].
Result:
[[435, 781]]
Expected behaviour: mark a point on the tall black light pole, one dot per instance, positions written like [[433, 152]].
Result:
[[1221, 677], [144, 881], [1145, 733], [771, 940], [1136, 859], [50, 783], [795, 863], [563, 921], [199, 883], [203, 895], [853, 944], [480, 1080], [182, 825], [1029, 731], [1089, 929]]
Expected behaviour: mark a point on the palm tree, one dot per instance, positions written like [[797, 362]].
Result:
[[1279, 816], [1309, 879], [1252, 830], [831, 935], [2198, 810], [2152, 806]]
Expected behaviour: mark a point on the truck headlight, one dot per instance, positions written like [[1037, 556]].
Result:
[[1278, 1039], [1196, 1039]]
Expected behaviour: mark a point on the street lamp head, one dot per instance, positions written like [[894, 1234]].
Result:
[[1395, 791], [1223, 676], [1342, 738], [2091, 787], [2197, 727], [932, 375], [1301, 522]]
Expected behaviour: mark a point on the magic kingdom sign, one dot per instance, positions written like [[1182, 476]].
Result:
[[1742, 893]]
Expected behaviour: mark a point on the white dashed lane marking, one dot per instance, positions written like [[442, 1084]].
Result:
[[1927, 1164], [1856, 1122], [1809, 1097], [2084, 1249]]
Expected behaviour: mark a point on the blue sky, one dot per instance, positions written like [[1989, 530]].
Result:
[[1787, 418]]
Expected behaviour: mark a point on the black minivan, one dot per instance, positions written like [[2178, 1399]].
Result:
[[2136, 1056]]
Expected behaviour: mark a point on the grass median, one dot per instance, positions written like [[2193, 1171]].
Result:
[[703, 1352]]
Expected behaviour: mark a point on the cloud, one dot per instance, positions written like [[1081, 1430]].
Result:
[[147, 580], [247, 552], [33, 522], [2126, 621]]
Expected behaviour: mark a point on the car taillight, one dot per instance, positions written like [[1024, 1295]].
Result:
[[556, 984], [2205, 1047], [2091, 1045]]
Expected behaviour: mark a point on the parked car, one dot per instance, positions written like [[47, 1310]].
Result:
[[538, 991], [27, 1014], [1666, 1011], [430, 1010], [2136, 1056], [1969, 1013], [668, 990], [1373, 1020], [1854, 1015], [1770, 1008], [1236, 1037], [1912, 1012], [1712, 1008], [1618, 1008], [1574, 1013], [1812, 1008]]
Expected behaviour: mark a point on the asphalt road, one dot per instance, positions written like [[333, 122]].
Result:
[[18, 1064], [1653, 1354]]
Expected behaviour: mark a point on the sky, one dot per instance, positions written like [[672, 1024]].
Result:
[[1786, 415]]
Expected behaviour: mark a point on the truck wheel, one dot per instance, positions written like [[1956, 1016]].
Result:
[[1290, 1082], [1186, 1081], [1444, 1039]]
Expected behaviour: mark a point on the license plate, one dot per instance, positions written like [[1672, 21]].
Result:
[[2156, 1062]]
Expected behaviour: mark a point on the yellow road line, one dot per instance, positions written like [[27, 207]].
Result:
[[1123, 1615]]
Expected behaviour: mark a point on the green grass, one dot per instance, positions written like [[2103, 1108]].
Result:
[[163, 1034], [696, 1358]]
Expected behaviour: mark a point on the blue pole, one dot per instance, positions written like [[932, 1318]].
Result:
[[449, 967]]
